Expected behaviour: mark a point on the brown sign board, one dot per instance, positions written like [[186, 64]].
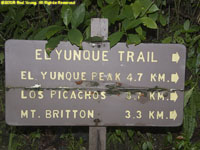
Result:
[[126, 85]]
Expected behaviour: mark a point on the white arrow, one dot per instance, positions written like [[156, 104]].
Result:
[[173, 96], [174, 77], [173, 115], [175, 57]]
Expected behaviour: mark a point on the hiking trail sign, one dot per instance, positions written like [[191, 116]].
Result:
[[126, 85]]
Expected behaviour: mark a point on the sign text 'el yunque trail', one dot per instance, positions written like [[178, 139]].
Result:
[[123, 86]]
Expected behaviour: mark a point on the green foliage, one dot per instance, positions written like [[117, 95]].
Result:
[[53, 30], [115, 38], [187, 96], [147, 146], [78, 16], [47, 32], [133, 39], [75, 36], [142, 7], [66, 14], [53, 42], [186, 25], [130, 15], [117, 137], [110, 1], [111, 12], [73, 143], [1, 57], [149, 22], [34, 137], [167, 40], [163, 20], [190, 119], [10, 145]]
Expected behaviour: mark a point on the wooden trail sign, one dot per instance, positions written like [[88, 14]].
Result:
[[124, 86]]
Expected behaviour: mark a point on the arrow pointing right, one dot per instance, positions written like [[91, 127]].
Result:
[[175, 57], [173, 115], [174, 77], [173, 96]]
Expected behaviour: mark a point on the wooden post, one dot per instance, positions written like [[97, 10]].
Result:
[[99, 27], [97, 135], [97, 138]]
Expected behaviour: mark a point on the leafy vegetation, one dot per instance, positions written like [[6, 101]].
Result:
[[130, 21]]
